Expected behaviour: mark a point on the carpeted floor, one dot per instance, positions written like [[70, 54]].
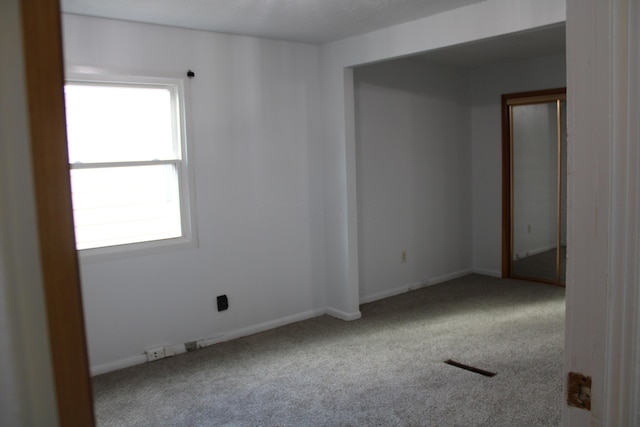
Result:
[[385, 369]]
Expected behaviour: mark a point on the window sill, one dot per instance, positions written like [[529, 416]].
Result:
[[119, 252]]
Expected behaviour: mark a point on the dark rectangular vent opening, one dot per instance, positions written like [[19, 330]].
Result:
[[470, 368]]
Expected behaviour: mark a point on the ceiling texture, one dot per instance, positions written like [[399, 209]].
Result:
[[306, 21]]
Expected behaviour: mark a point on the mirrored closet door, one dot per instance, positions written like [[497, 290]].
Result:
[[534, 185]]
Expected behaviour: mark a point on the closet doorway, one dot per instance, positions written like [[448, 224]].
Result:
[[534, 153]]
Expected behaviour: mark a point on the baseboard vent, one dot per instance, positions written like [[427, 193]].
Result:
[[470, 368]]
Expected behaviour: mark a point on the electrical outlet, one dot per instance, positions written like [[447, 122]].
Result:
[[191, 345], [223, 302], [155, 354], [404, 256]]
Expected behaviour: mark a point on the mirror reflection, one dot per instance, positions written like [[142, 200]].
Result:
[[538, 187]]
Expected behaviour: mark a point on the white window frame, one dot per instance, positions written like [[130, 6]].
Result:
[[183, 167]]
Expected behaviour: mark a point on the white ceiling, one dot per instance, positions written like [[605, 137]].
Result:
[[321, 21], [308, 21]]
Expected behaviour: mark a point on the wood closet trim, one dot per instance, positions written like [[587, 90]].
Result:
[[44, 75], [508, 100]]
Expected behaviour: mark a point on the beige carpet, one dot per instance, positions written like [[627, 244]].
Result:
[[383, 370]]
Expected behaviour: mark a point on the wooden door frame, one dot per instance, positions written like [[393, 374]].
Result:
[[44, 76], [506, 168]]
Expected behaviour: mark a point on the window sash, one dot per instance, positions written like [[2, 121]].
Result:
[[113, 212], [176, 107]]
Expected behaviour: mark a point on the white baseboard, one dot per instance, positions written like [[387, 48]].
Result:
[[342, 315], [541, 250], [385, 294], [421, 284], [393, 292], [413, 286], [265, 326], [450, 276], [103, 368], [254, 329], [488, 272], [204, 342], [535, 251]]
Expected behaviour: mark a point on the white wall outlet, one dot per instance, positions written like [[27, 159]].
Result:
[[404, 256], [155, 354]]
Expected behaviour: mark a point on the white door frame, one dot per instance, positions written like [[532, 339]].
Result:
[[603, 88]]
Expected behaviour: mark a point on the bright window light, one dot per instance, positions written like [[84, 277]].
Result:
[[125, 153]]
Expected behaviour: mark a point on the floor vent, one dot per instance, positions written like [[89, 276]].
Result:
[[469, 368]]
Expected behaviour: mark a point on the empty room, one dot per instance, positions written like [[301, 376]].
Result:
[[321, 213]]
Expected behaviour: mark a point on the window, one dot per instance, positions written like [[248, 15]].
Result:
[[127, 154]]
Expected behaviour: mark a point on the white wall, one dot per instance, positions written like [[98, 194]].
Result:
[[274, 185], [413, 152], [258, 192], [392, 214], [26, 379], [488, 83]]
